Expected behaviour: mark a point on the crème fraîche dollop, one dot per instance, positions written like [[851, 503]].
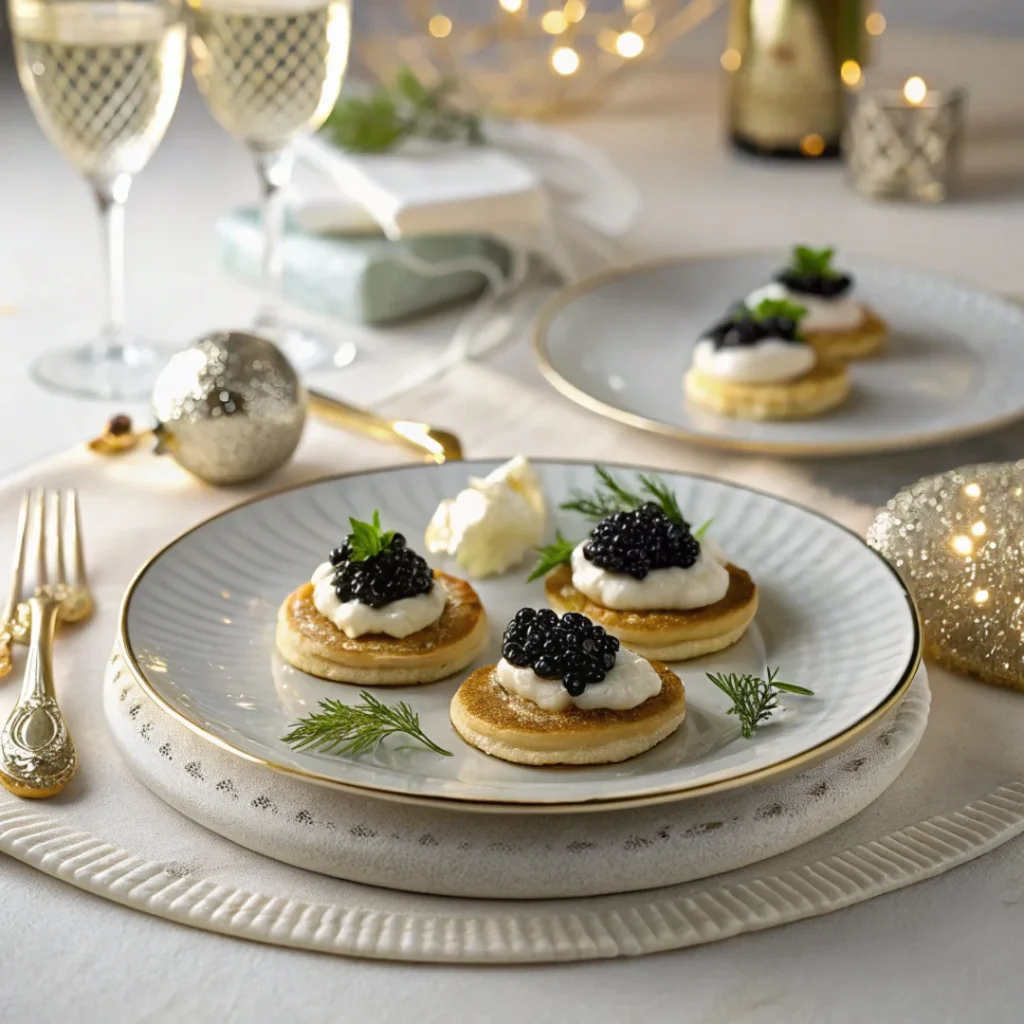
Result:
[[491, 525]]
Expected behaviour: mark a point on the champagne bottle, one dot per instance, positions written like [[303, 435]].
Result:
[[784, 59]]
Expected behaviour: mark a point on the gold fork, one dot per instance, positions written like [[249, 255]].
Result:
[[37, 755], [11, 626]]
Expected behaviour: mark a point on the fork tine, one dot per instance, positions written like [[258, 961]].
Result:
[[57, 534], [18, 561], [74, 526], [40, 536]]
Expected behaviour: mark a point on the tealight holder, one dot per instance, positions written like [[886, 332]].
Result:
[[957, 541], [905, 143]]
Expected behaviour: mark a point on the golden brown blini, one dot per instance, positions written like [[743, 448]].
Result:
[[314, 644], [512, 728], [665, 635], [855, 343], [822, 388]]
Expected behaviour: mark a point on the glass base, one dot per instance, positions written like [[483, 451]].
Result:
[[127, 371], [306, 348]]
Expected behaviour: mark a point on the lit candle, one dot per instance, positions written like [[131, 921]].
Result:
[[904, 143]]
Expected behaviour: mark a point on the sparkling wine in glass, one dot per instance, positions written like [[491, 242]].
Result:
[[271, 70], [102, 78]]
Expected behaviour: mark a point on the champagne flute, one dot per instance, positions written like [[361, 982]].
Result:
[[102, 78], [269, 71]]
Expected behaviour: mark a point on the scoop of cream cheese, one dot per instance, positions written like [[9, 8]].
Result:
[[765, 362], [399, 618], [841, 313], [631, 681], [673, 589], [491, 525]]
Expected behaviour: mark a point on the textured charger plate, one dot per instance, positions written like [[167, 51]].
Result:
[[450, 853], [197, 629], [619, 344]]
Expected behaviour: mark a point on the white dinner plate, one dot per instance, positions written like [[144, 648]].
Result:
[[620, 343], [197, 629]]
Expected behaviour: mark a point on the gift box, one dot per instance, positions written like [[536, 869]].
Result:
[[361, 277]]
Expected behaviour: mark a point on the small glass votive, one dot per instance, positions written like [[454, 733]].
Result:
[[905, 143]]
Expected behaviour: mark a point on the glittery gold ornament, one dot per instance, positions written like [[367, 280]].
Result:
[[957, 540], [229, 408]]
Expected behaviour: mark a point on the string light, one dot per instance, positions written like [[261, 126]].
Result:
[[565, 60], [979, 529], [731, 59], [850, 72], [980, 596], [972, 491], [574, 10], [643, 23], [629, 44], [915, 90], [962, 545], [526, 79], [812, 145], [875, 24], [554, 22], [439, 26]]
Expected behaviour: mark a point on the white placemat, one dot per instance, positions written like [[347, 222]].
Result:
[[104, 830]]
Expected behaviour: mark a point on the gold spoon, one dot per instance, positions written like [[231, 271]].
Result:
[[432, 444]]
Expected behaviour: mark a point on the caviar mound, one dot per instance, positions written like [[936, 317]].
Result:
[[396, 572], [636, 542], [743, 329], [824, 286], [572, 649]]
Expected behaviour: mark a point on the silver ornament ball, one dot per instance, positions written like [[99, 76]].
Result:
[[229, 408]]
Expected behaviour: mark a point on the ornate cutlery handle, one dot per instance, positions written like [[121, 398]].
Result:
[[37, 757]]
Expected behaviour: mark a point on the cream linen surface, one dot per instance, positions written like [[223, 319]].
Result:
[[135, 504]]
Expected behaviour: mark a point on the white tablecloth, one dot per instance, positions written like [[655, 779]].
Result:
[[945, 950]]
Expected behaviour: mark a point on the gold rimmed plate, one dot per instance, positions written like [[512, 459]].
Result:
[[197, 631], [619, 344]]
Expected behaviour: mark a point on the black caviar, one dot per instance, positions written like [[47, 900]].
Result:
[[636, 542], [570, 648], [825, 286], [394, 573], [742, 328]]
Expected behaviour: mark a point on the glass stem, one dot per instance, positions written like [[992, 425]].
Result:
[[110, 196], [275, 172]]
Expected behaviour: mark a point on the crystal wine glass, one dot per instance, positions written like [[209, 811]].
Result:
[[102, 78], [271, 70]]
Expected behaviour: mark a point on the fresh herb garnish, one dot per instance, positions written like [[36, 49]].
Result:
[[378, 122], [702, 529], [808, 262], [368, 539], [552, 556], [609, 497], [782, 309], [754, 699], [352, 729]]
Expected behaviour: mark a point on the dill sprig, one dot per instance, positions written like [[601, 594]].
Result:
[[552, 556], [354, 728], [754, 700], [609, 496]]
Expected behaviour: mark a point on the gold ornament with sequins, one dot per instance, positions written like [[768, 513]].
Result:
[[957, 541]]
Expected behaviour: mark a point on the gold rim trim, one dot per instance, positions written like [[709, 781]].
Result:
[[566, 296], [804, 760]]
